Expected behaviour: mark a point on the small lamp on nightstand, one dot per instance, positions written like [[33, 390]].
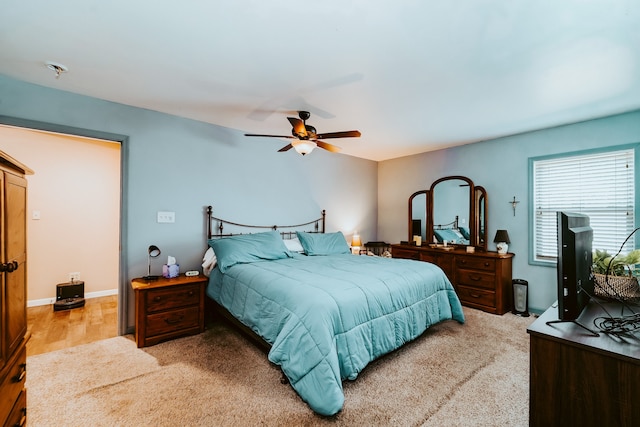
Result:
[[502, 241], [153, 251], [356, 243]]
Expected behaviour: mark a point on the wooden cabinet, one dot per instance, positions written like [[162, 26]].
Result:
[[577, 379], [482, 279], [13, 289], [168, 308]]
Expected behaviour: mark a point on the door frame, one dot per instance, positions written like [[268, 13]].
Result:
[[123, 140]]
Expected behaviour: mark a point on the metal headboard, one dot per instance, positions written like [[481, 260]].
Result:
[[218, 231], [453, 224]]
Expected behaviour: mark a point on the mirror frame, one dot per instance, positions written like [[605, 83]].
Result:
[[482, 234], [472, 202], [426, 213], [479, 237]]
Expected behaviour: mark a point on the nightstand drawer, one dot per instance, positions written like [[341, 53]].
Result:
[[163, 299], [476, 296], [473, 263], [173, 321], [476, 279]]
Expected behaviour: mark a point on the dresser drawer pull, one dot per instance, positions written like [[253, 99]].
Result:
[[475, 295], [475, 278], [157, 299], [174, 320], [486, 264], [191, 293], [23, 419], [23, 372]]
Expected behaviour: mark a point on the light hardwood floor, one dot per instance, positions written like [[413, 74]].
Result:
[[54, 330]]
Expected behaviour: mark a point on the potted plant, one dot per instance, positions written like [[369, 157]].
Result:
[[616, 277]]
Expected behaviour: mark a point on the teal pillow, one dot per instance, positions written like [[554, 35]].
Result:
[[323, 243], [246, 248], [465, 232]]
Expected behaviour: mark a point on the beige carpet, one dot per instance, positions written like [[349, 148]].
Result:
[[465, 375]]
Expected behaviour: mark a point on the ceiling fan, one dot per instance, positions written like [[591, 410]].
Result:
[[306, 138]]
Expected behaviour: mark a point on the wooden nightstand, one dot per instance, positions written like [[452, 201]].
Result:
[[168, 308]]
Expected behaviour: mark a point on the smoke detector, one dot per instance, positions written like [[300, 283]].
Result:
[[56, 68]]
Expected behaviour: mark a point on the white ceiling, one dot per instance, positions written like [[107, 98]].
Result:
[[412, 76]]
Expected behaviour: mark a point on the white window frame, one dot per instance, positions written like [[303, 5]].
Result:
[[581, 182]]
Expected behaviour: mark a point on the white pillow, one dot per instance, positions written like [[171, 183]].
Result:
[[209, 261], [293, 245]]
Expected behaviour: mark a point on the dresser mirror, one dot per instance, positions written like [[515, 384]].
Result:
[[418, 215], [452, 210]]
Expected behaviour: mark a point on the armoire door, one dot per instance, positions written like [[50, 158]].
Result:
[[14, 234]]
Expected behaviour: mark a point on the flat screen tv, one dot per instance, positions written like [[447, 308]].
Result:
[[575, 278]]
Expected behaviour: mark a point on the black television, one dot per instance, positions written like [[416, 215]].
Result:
[[575, 278]]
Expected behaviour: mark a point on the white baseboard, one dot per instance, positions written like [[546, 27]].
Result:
[[47, 301]]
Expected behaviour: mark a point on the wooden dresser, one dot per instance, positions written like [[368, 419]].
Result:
[[168, 308], [13, 296], [482, 279]]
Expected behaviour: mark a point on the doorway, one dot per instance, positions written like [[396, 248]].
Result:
[[74, 213]]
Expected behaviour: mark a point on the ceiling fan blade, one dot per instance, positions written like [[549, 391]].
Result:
[[285, 148], [268, 136], [345, 134], [298, 127], [328, 147]]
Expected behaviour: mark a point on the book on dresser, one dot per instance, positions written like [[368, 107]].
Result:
[[482, 279]]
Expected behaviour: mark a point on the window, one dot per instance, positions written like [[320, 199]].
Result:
[[597, 184]]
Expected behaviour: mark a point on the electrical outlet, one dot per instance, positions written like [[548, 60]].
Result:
[[74, 277], [164, 216]]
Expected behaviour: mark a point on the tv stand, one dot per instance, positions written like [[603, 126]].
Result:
[[578, 379]]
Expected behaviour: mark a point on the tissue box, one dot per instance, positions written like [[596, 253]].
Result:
[[170, 271]]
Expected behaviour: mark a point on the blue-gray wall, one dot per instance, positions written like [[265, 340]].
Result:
[[180, 165], [501, 166]]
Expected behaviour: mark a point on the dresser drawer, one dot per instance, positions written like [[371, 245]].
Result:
[[406, 254], [173, 321], [167, 298], [18, 415], [476, 296], [474, 263], [14, 382], [476, 279]]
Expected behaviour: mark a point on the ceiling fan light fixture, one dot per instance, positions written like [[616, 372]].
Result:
[[304, 146]]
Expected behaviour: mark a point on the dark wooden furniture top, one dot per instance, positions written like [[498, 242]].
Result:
[[168, 308], [580, 379], [482, 279]]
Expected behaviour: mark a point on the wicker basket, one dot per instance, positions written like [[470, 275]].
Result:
[[617, 287]]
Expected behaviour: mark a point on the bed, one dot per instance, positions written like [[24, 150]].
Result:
[[322, 312]]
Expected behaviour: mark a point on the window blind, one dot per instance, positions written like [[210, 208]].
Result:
[[600, 185]]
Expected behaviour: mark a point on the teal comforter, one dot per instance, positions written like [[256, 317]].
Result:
[[327, 317]]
